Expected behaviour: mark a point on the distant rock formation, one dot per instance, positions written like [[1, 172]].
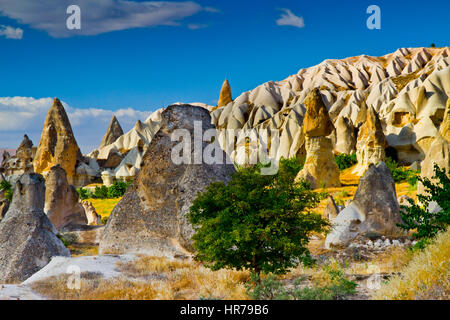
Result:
[[27, 237], [345, 136], [58, 144], [439, 152], [113, 133], [61, 201], [331, 210], [150, 218], [22, 162], [93, 218], [320, 169], [128, 148], [225, 95], [373, 211], [371, 144], [408, 89]]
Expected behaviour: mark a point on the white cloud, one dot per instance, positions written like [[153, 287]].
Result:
[[10, 32], [194, 26], [25, 115], [98, 16], [290, 19]]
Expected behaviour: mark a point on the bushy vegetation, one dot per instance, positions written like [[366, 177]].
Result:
[[425, 277], [6, 187], [328, 284], [416, 217], [261, 223], [345, 161], [117, 190], [401, 174]]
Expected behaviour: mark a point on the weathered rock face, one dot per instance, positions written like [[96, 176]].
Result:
[[371, 144], [113, 133], [58, 144], [225, 94], [320, 169], [374, 209], [439, 152], [317, 122], [150, 218], [345, 136], [21, 162], [93, 218], [61, 201], [331, 210], [407, 88], [27, 237]]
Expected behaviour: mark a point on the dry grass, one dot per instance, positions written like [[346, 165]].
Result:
[[427, 276], [104, 206], [93, 287], [150, 278], [81, 249]]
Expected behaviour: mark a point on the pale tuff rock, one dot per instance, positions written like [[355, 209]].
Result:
[[27, 237], [58, 144], [150, 218], [439, 152], [113, 132], [412, 101], [374, 209], [371, 144], [61, 201], [21, 162], [320, 169], [121, 159], [345, 136], [93, 218], [225, 94]]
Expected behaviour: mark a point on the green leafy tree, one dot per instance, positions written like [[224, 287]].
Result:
[[84, 193], [6, 187], [345, 161], [415, 217], [118, 189], [100, 192], [256, 222]]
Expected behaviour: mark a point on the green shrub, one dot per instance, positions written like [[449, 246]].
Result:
[[256, 222], [84, 193], [7, 188], [400, 174], [104, 220], [335, 286], [100, 192], [118, 189], [415, 217], [345, 161]]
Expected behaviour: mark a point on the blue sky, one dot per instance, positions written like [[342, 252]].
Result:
[[204, 42]]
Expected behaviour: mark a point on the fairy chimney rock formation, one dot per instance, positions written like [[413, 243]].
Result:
[[28, 239], [21, 162], [439, 152], [371, 144], [225, 94], [151, 217], [320, 169], [113, 133], [58, 144], [62, 201]]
